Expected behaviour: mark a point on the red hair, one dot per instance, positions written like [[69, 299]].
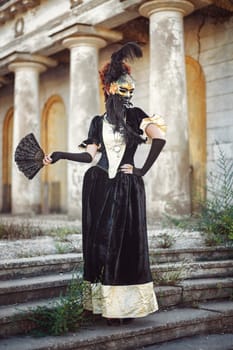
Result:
[[103, 73]]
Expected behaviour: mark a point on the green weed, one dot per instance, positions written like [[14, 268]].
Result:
[[63, 316], [216, 215], [165, 241]]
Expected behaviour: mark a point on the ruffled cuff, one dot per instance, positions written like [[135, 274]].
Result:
[[155, 119]]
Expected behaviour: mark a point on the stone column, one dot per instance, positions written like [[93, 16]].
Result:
[[26, 195], [169, 183], [84, 105]]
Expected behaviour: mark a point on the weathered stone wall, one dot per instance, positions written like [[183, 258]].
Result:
[[211, 44], [208, 43], [33, 22]]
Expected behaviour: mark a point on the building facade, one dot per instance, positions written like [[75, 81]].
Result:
[[51, 52]]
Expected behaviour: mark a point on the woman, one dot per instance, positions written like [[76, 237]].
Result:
[[115, 247]]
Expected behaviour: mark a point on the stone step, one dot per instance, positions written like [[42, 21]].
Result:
[[14, 317], [33, 288], [40, 265], [38, 287], [156, 328], [189, 292], [191, 254], [206, 289], [47, 264], [177, 238], [167, 273], [200, 342]]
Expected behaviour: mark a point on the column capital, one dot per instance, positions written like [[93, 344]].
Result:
[[15, 66], [148, 8], [84, 40], [84, 30], [23, 60]]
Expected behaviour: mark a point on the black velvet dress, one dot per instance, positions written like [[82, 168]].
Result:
[[115, 246]]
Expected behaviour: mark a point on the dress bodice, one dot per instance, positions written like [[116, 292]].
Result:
[[114, 150]]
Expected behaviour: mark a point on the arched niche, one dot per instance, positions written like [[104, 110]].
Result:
[[196, 94], [7, 150], [54, 138]]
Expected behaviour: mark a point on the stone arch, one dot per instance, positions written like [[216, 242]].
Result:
[[7, 139], [196, 94], [53, 138]]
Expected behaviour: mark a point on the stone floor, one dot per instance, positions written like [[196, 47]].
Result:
[[200, 342]]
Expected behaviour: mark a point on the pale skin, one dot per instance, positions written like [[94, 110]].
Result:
[[152, 131]]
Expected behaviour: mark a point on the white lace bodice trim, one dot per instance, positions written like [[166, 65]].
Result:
[[115, 147]]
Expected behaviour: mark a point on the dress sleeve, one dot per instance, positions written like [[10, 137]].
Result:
[[155, 119], [93, 133]]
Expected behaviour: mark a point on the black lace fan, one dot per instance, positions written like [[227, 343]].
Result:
[[29, 156]]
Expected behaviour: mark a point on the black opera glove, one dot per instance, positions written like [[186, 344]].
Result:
[[83, 157], [156, 147]]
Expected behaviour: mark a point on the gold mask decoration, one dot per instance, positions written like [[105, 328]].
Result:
[[124, 87]]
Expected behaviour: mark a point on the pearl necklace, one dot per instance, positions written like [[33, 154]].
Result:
[[118, 143], [118, 140]]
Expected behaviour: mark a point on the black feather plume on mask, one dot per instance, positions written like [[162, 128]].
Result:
[[117, 67]]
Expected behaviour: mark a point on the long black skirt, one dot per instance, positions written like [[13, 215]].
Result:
[[115, 246]]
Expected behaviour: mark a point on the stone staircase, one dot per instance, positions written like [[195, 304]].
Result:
[[198, 298]]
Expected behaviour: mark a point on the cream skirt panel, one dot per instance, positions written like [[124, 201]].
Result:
[[131, 301]]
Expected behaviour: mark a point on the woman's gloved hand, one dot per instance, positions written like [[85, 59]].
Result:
[[156, 147], [52, 158]]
